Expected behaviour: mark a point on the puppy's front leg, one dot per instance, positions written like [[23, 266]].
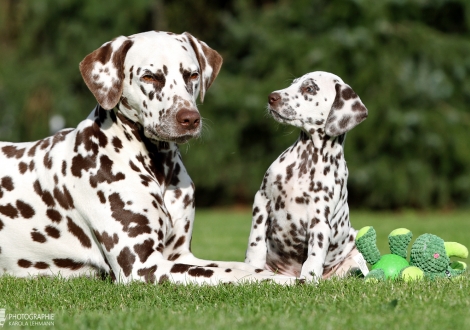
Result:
[[319, 232]]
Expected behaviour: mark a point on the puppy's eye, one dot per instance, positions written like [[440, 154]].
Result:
[[148, 78], [309, 89], [194, 76]]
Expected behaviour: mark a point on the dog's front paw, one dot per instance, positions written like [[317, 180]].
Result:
[[281, 279], [255, 262]]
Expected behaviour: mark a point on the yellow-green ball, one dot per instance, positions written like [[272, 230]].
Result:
[[412, 273]]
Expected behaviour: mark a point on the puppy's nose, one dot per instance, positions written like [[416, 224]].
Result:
[[188, 119], [274, 98]]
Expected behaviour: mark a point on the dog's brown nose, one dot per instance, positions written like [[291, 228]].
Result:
[[274, 98], [188, 119]]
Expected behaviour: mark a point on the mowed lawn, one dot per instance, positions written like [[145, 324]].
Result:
[[335, 304]]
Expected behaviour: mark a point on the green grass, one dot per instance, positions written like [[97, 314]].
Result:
[[335, 304]]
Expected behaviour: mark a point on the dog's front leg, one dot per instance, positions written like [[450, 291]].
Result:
[[179, 202]]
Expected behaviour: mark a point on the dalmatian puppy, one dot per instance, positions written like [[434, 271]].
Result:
[[112, 196], [301, 221]]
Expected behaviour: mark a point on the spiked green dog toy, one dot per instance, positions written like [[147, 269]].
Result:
[[430, 256]]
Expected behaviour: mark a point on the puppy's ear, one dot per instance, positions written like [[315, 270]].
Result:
[[346, 112], [209, 63], [103, 71]]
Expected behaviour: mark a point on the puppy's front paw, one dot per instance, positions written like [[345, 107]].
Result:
[[310, 276], [308, 279]]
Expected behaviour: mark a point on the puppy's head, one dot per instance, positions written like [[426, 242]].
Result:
[[154, 78], [318, 102]]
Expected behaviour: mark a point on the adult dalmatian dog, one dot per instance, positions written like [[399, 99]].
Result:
[[112, 196], [301, 221]]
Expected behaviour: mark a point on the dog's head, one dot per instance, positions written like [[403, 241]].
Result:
[[318, 102], [154, 79]]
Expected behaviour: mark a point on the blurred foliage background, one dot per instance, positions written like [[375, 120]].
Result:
[[409, 61]]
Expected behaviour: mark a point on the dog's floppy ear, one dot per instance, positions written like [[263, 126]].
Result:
[[346, 112], [209, 62], [103, 71]]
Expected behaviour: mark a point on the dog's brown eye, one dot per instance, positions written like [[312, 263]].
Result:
[[309, 89], [148, 78], [194, 76]]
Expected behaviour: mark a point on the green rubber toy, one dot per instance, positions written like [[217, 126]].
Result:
[[430, 256]]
